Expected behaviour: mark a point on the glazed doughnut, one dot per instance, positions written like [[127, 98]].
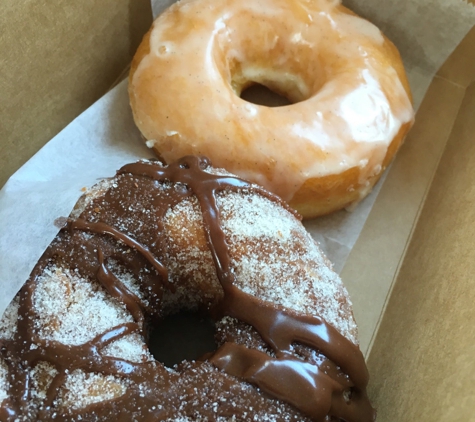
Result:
[[351, 100], [156, 239]]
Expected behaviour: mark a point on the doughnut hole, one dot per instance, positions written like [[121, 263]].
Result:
[[271, 70], [261, 95], [182, 336], [281, 82]]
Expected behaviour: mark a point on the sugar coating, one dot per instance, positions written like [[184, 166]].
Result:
[[185, 419], [131, 348], [8, 322], [260, 418], [82, 389], [90, 195], [189, 259], [276, 260], [62, 299], [8, 325], [4, 384]]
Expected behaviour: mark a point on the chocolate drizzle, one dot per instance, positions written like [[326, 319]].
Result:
[[315, 390]]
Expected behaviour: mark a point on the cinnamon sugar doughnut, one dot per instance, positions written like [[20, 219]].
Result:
[[351, 100], [156, 239]]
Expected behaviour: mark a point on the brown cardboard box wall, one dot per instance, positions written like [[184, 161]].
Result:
[[423, 358], [59, 57]]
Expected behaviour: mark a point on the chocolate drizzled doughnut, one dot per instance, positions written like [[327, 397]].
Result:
[[156, 239]]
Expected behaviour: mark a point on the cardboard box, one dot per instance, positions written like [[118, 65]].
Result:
[[419, 340]]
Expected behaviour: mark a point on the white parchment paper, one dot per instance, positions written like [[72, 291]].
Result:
[[104, 138]]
